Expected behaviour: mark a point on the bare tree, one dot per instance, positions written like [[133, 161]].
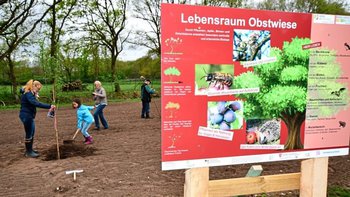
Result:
[[105, 21], [149, 12]]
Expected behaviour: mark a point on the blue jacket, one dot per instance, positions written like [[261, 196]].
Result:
[[84, 115], [29, 104], [146, 92]]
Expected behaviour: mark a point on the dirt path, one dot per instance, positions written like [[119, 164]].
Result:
[[126, 161]]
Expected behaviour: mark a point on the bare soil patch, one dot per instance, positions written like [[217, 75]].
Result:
[[124, 160], [67, 150]]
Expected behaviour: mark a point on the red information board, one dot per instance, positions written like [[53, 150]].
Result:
[[244, 86]]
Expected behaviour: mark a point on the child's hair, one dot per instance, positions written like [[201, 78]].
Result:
[[30, 84], [78, 101]]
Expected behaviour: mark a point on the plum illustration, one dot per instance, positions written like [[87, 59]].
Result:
[[230, 116], [216, 118], [235, 106], [224, 126], [221, 107]]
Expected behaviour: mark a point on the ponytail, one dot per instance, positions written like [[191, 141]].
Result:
[[30, 84]]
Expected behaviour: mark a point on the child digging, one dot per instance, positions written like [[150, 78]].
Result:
[[84, 119]]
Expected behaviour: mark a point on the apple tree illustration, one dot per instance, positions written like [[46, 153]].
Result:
[[283, 88], [172, 71], [172, 107]]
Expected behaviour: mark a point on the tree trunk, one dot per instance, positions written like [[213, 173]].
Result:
[[293, 124], [114, 77], [12, 77]]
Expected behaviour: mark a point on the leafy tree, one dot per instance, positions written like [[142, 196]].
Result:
[[105, 21], [283, 87], [149, 12], [172, 71], [18, 19]]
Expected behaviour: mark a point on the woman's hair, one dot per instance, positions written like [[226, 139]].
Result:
[[98, 83], [30, 84], [78, 101]]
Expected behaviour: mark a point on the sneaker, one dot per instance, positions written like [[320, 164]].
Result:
[[96, 129]]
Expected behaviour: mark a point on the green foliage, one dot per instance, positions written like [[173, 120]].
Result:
[[308, 6], [270, 72], [293, 53], [248, 80], [282, 83], [336, 191], [294, 75], [172, 71], [288, 99], [130, 90]]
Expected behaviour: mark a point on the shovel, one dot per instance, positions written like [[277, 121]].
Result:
[[72, 140]]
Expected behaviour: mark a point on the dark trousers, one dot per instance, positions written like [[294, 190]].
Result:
[[29, 127], [145, 108], [98, 114]]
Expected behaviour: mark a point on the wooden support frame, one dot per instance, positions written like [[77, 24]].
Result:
[[311, 181]]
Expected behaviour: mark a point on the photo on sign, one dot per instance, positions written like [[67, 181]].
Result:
[[213, 77], [225, 115], [251, 45], [260, 131]]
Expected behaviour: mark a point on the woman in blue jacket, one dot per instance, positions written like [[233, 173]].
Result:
[[84, 119], [29, 103]]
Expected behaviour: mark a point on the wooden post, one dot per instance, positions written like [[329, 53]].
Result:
[[314, 174], [311, 181], [196, 182]]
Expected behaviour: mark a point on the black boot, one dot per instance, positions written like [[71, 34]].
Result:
[[142, 116], [37, 152], [147, 116], [29, 149]]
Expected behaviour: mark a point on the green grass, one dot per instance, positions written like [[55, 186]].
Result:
[[130, 90], [336, 191]]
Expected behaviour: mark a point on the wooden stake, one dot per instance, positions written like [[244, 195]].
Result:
[[196, 182], [55, 121], [314, 174]]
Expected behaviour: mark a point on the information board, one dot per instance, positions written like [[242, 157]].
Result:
[[245, 86]]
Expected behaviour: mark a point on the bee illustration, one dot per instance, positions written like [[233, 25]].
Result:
[[223, 79]]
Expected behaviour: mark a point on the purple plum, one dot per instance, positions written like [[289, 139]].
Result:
[[235, 106], [221, 106], [230, 116], [216, 118], [224, 126]]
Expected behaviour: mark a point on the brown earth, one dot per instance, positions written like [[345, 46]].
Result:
[[123, 161]]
